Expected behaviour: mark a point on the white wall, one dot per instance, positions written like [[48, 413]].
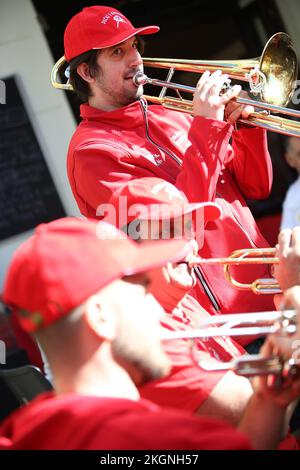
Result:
[[290, 12], [24, 52]]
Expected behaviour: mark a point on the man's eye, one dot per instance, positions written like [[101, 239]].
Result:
[[135, 45], [117, 51]]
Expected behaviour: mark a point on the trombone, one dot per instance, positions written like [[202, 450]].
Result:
[[245, 257], [272, 77], [261, 323]]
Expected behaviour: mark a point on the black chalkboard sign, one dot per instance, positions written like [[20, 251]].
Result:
[[27, 192]]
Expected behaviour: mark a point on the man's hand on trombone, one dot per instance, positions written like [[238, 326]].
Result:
[[282, 390], [289, 346], [287, 272], [210, 102]]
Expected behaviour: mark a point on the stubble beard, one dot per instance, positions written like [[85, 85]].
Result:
[[122, 98], [149, 365]]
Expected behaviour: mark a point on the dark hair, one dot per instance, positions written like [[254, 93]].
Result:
[[80, 86]]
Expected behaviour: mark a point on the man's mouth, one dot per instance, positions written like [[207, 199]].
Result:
[[130, 75]]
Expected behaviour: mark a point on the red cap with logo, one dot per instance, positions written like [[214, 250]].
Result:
[[68, 260], [98, 27], [155, 198]]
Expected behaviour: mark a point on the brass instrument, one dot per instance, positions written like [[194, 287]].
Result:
[[251, 365], [243, 324], [246, 256], [271, 76], [54, 76]]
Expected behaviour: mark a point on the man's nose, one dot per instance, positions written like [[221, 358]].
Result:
[[135, 59]]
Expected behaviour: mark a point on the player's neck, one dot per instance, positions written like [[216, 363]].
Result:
[[96, 378]]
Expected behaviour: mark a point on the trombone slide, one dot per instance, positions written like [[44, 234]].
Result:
[[240, 324], [252, 365]]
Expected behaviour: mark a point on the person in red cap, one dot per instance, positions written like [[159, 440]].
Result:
[[121, 138], [82, 289], [153, 209]]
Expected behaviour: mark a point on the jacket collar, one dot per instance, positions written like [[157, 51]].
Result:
[[127, 117]]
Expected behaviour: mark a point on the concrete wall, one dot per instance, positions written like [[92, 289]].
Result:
[[24, 52], [290, 12]]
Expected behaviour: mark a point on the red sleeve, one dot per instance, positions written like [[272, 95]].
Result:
[[170, 429], [251, 164], [194, 433], [204, 159], [97, 172]]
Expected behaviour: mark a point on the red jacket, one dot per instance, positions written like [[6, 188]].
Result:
[[110, 148], [78, 422]]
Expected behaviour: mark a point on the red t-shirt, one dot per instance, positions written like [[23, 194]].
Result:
[[188, 386], [92, 423]]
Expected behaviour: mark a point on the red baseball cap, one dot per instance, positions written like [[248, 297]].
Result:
[[155, 198], [66, 261], [98, 27]]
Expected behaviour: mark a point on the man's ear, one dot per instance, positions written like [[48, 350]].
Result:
[[84, 72], [100, 319]]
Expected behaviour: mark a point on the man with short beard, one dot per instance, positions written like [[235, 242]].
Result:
[[82, 289]]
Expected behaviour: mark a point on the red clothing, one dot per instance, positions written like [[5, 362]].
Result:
[[110, 148], [74, 422], [188, 386]]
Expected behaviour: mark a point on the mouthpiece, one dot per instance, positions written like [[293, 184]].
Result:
[[140, 79]]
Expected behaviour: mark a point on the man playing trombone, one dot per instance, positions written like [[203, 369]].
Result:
[[120, 138]]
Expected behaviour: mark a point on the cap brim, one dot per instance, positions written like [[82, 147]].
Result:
[[152, 255], [123, 36], [209, 210]]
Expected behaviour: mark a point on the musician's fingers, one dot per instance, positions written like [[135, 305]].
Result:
[[212, 85], [231, 93], [295, 238], [235, 114], [292, 297], [203, 79], [267, 348], [246, 111], [284, 241]]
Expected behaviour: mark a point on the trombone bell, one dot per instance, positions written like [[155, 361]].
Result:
[[272, 76]]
